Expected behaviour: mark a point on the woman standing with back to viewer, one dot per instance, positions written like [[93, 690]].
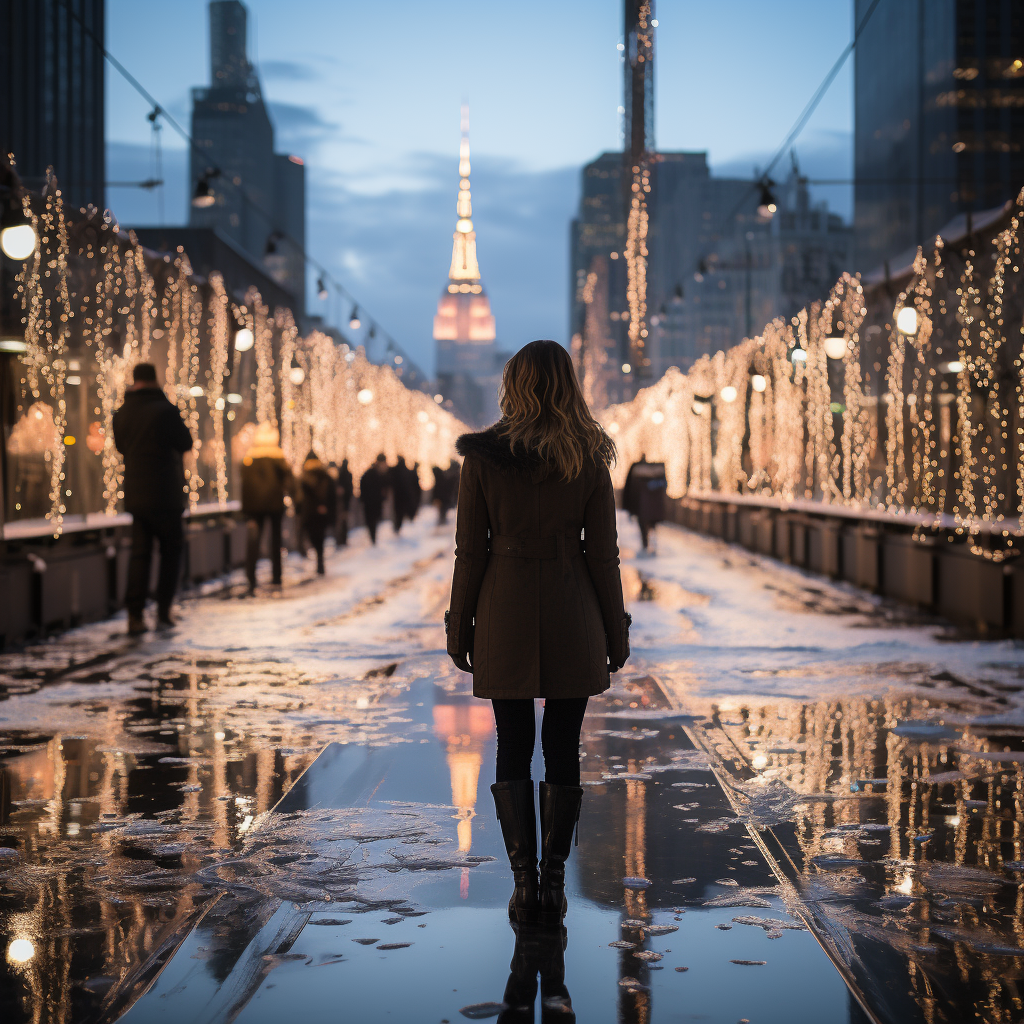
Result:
[[535, 611]]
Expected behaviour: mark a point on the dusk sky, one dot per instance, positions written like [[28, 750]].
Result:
[[369, 94]]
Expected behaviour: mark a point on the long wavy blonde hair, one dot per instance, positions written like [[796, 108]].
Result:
[[543, 410]]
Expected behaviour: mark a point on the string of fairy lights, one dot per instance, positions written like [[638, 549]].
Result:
[[96, 303], [912, 404]]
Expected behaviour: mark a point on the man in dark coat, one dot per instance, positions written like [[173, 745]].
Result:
[[266, 481], [644, 495], [317, 504], [152, 437], [344, 483], [373, 489]]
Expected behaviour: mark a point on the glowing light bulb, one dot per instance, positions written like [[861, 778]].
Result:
[[296, 375], [836, 348], [758, 382], [365, 396], [20, 951], [657, 416], [464, 225], [18, 242], [244, 339], [196, 391], [798, 355], [906, 320], [626, 368], [235, 399], [759, 761], [728, 393]]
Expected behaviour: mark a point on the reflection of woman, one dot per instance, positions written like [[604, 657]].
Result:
[[537, 611]]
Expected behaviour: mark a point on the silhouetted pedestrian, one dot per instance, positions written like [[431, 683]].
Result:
[[373, 489], [446, 487], [266, 481], [344, 484], [317, 504], [644, 495], [404, 492], [152, 437]]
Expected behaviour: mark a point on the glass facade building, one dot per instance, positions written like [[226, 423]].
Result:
[[939, 118]]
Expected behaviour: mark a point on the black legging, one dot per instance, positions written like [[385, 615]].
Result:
[[559, 737]]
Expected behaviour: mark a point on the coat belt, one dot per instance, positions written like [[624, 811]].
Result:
[[536, 547]]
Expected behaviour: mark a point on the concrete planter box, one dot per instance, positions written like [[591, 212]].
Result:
[[823, 547], [861, 549], [16, 621], [204, 545], [798, 541], [235, 538], [782, 537], [764, 533], [908, 569], [731, 518], [971, 589], [73, 588]]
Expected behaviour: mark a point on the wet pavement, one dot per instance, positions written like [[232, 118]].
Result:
[[802, 804]]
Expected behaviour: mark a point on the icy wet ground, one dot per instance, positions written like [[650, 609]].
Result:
[[780, 752]]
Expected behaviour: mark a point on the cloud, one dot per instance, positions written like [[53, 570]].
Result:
[[298, 127], [287, 71]]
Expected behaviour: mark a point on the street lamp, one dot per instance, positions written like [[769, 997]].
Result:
[[768, 205], [17, 233], [906, 320], [244, 339], [835, 348], [203, 196]]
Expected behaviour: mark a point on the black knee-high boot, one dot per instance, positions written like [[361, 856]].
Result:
[[513, 802], [559, 813]]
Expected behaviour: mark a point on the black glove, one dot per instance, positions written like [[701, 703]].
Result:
[[461, 658], [618, 647]]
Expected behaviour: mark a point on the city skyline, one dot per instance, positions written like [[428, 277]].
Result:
[[380, 161]]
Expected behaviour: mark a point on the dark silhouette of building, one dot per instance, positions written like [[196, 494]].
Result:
[[939, 118], [52, 96], [239, 185]]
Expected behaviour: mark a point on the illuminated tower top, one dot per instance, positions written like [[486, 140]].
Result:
[[464, 264], [464, 316]]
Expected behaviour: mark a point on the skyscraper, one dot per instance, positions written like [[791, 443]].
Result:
[[939, 118], [52, 94], [468, 362], [241, 187]]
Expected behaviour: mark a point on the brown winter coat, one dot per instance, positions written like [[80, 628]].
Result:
[[547, 606]]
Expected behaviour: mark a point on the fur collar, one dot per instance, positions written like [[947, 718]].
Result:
[[494, 448]]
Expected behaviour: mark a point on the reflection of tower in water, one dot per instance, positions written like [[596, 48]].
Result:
[[465, 730], [635, 1002]]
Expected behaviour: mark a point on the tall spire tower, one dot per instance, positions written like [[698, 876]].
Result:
[[464, 326]]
